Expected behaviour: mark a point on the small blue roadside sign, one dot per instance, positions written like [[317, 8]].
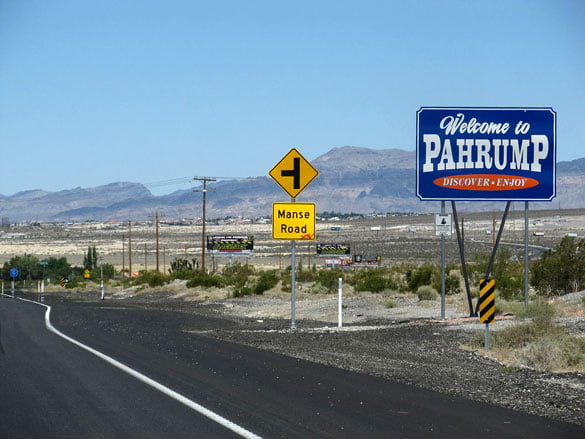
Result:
[[14, 272], [486, 154]]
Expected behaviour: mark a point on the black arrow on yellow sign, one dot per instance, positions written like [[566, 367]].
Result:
[[294, 165], [295, 173]]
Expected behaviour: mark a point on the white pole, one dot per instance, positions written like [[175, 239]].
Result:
[[102, 281], [340, 304]]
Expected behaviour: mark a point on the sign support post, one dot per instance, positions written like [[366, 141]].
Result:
[[442, 267], [443, 227], [526, 253], [293, 280]]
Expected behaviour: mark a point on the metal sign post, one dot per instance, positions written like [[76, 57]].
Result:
[[443, 227], [442, 266], [294, 221], [526, 253], [293, 285]]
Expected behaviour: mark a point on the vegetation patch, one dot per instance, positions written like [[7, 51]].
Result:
[[540, 343], [426, 292]]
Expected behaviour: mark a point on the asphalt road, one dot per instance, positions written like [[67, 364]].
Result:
[[50, 387]]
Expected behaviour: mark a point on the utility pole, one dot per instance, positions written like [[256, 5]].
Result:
[[204, 191], [123, 253], [130, 248], [156, 226]]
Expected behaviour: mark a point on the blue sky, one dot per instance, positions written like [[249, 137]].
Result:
[[94, 92]]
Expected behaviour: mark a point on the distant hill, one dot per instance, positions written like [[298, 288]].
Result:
[[351, 179]]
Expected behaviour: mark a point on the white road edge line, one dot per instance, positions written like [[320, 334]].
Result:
[[161, 388]]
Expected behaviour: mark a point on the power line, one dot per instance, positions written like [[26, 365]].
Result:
[[182, 180]]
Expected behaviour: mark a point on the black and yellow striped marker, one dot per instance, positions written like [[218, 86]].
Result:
[[487, 300]]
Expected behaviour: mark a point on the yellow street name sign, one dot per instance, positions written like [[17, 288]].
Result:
[[293, 173], [293, 221]]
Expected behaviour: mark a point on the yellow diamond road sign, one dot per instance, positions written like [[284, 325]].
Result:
[[293, 221], [293, 173]]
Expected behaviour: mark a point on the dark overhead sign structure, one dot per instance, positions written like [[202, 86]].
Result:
[[230, 244], [486, 154], [331, 249]]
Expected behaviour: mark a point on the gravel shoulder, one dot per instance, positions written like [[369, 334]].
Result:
[[407, 343]]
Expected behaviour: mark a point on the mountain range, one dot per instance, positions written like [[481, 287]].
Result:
[[351, 179]]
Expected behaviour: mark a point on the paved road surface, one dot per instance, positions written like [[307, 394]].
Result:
[[52, 388]]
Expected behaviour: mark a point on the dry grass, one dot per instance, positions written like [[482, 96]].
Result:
[[538, 343]]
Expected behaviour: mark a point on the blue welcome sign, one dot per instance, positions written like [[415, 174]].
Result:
[[486, 154]]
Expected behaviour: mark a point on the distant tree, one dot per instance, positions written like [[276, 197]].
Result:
[[109, 271], [90, 259], [94, 257], [57, 268], [561, 270], [28, 266]]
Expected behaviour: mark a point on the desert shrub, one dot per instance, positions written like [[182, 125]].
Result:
[[561, 270], [551, 352], [266, 281], [329, 278], [203, 279], [452, 285], [317, 288], [540, 311], [541, 343], [390, 303], [509, 274], [236, 274], [419, 277], [242, 291], [426, 292], [153, 278], [305, 275], [285, 277], [73, 283], [374, 282]]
